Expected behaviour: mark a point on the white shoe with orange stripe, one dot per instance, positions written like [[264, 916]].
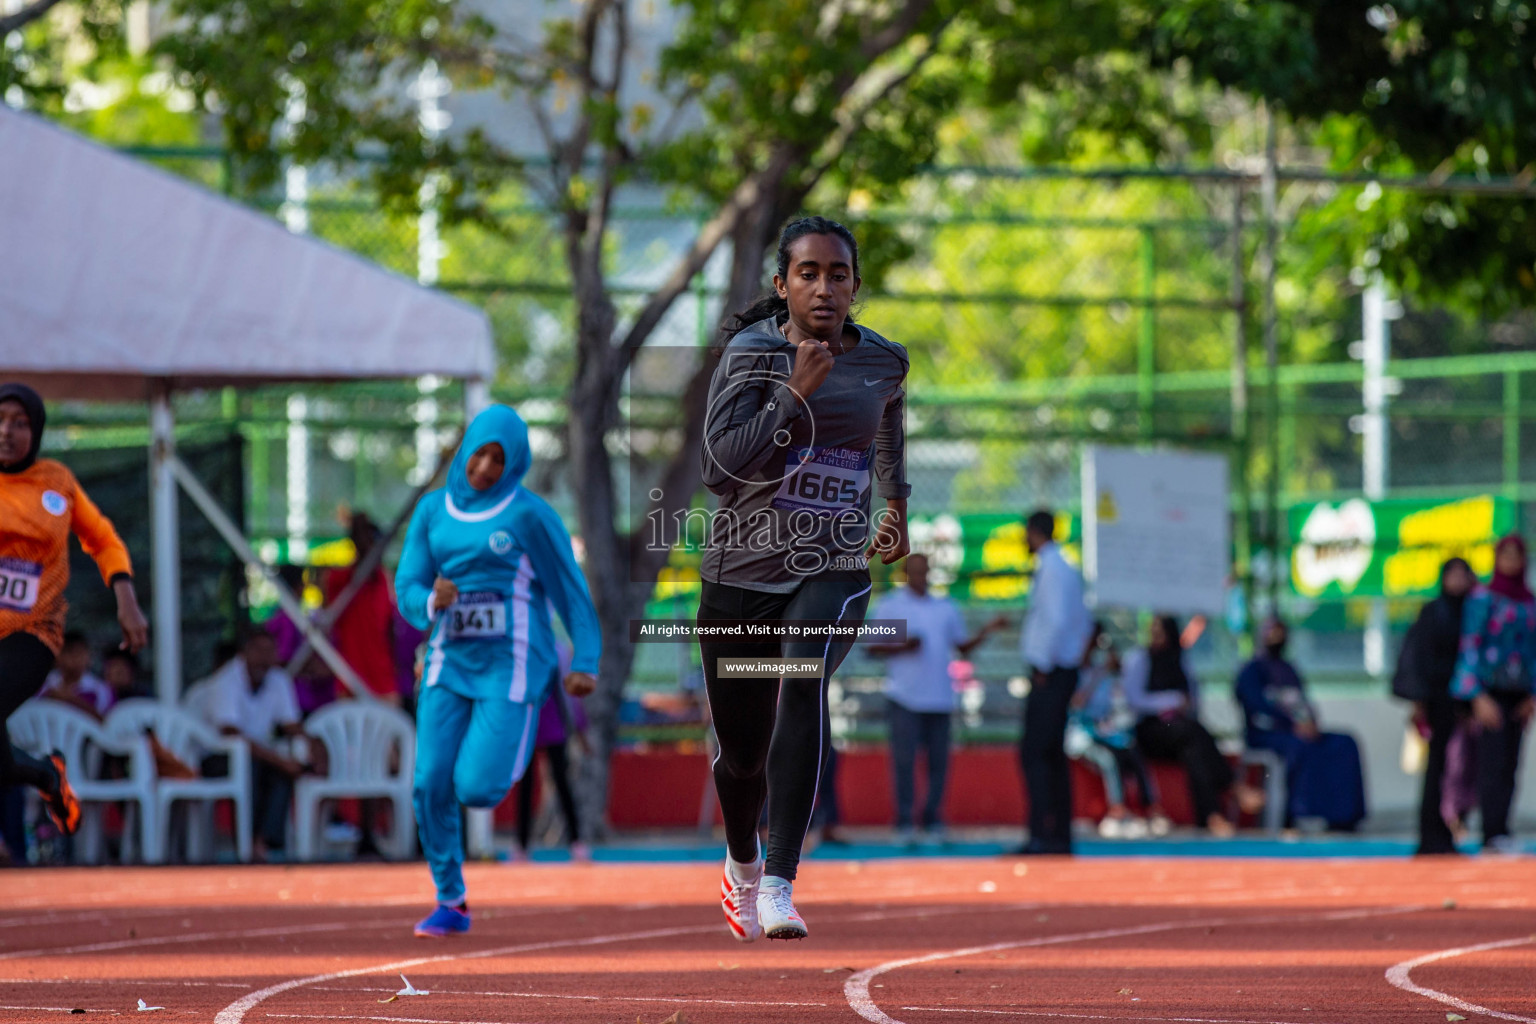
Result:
[[776, 913], [738, 897]]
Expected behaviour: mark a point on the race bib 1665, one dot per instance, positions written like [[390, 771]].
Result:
[[823, 480]]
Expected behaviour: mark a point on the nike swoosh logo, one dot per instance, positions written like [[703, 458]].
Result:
[[871, 383]]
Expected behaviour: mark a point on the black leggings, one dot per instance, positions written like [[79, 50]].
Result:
[[774, 735], [1498, 766], [25, 662], [560, 773], [1185, 740]]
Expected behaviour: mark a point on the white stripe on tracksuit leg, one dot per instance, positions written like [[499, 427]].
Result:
[[435, 658], [521, 589]]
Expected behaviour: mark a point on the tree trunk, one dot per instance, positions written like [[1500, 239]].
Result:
[[620, 571]]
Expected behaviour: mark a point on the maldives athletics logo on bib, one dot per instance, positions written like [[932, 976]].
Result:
[[501, 542], [55, 503]]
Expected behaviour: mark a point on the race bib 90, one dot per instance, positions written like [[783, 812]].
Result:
[[824, 480], [477, 617], [20, 584]]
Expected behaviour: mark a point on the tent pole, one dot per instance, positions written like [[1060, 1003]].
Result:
[[286, 599], [165, 546], [477, 395], [327, 616]]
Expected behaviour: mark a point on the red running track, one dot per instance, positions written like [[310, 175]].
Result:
[[918, 942]]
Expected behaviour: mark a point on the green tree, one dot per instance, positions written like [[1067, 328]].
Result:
[[1436, 87]]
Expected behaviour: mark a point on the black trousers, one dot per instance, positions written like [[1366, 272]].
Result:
[[912, 731], [774, 734], [1043, 753], [560, 774], [1498, 763], [1185, 740], [25, 662], [1434, 834], [271, 796]]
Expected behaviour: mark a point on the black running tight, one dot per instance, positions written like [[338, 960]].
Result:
[[25, 662], [774, 735]]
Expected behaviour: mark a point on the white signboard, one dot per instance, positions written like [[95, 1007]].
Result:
[[1156, 532]]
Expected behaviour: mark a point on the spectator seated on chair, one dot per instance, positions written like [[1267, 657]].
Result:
[[72, 682], [120, 671], [251, 696], [1322, 769], [1102, 730], [1161, 688]]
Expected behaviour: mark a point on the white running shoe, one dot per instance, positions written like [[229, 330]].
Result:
[[776, 911], [738, 897]]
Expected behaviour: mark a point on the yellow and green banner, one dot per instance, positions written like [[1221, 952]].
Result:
[[1392, 548]]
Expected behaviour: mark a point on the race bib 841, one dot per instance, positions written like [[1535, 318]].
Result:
[[20, 584], [823, 480], [478, 616]]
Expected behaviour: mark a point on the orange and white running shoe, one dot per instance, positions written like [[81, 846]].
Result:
[[738, 897], [776, 913]]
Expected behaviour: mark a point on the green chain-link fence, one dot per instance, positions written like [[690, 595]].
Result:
[[1041, 314]]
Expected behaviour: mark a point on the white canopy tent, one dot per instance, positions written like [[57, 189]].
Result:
[[120, 281]]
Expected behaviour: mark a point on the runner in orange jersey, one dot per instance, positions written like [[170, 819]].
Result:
[[40, 505]]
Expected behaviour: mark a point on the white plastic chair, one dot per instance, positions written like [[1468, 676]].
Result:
[[1274, 785], [191, 740], [42, 726], [364, 742]]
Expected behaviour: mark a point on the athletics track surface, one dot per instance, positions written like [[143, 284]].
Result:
[[932, 941]]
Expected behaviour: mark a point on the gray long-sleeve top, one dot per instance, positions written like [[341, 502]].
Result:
[[795, 481], [1136, 672]]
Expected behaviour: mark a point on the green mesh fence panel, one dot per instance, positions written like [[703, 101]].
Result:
[[212, 578]]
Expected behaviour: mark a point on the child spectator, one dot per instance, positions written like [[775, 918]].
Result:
[[1107, 723], [71, 681]]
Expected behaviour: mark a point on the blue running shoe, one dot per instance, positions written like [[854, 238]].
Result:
[[445, 920]]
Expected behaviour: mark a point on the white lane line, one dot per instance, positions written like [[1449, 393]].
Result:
[[1096, 1016], [856, 988], [400, 1020], [167, 940], [1398, 976], [235, 1012], [254, 933], [146, 982], [592, 999]]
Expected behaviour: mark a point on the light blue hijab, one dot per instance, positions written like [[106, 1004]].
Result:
[[501, 424]]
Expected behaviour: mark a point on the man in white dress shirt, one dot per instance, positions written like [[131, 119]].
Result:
[[1053, 642], [252, 697]]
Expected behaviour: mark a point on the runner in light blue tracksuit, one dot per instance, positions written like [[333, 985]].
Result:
[[484, 562]]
